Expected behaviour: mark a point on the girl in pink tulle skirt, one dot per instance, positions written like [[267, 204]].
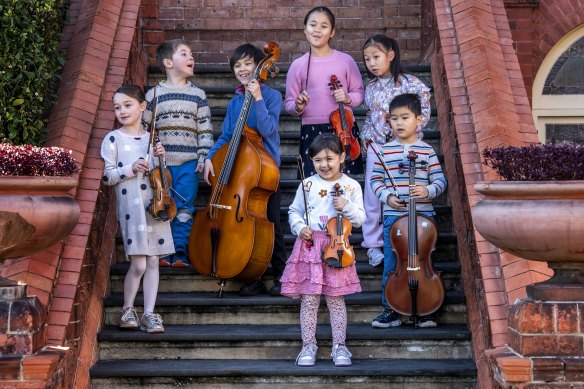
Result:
[[306, 275]]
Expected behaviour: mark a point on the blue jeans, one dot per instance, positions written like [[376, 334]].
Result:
[[389, 257], [186, 182]]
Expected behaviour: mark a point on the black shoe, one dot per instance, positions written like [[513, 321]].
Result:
[[387, 318], [252, 288], [276, 289]]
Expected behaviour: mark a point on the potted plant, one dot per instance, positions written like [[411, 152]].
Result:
[[537, 212], [35, 209]]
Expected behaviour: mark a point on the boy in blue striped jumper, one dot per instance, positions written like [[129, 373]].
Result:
[[406, 135], [183, 121]]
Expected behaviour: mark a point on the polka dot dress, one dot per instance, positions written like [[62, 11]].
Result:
[[142, 234]]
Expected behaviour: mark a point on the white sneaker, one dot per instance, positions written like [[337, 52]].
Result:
[[375, 256], [341, 355], [307, 356]]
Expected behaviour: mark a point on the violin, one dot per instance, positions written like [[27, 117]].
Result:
[[414, 288], [162, 206], [342, 122], [339, 253]]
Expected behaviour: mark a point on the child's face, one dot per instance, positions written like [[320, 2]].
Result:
[[328, 164], [404, 123], [318, 30], [182, 61], [128, 110], [243, 69], [378, 61]]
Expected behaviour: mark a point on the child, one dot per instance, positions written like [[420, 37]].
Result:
[[145, 239], [263, 117], [308, 94], [306, 275], [382, 59], [405, 121], [183, 121]]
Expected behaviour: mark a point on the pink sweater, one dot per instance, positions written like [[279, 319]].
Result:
[[322, 103]]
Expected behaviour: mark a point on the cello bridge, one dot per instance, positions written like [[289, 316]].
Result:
[[413, 268]]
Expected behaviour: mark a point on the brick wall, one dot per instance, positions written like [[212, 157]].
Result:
[[215, 27], [536, 27]]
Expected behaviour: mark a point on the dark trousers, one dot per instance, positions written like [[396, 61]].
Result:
[[278, 260]]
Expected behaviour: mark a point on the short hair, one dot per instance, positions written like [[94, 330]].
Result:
[[133, 91], [167, 49], [326, 141], [408, 100], [244, 51]]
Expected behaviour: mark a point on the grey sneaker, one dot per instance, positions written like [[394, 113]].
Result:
[[341, 355], [129, 318], [151, 323], [307, 356], [387, 318]]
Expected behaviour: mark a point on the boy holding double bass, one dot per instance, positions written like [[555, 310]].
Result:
[[263, 117]]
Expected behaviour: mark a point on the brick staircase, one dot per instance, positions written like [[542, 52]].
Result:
[[237, 342]]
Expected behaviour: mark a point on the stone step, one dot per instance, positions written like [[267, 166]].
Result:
[[207, 308], [364, 373], [230, 341], [189, 281]]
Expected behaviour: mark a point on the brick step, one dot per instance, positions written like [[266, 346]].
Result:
[[230, 341], [367, 373], [207, 308], [189, 281]]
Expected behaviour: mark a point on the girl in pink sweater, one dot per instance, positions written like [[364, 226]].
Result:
[[308, 94]]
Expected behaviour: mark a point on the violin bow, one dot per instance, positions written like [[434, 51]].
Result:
[[384, 165], [301, 169], [152, 127]]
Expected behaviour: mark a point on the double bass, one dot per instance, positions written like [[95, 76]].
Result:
[[414, 288], [232, 237]]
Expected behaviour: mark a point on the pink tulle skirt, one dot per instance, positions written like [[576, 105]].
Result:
[[306, 273]]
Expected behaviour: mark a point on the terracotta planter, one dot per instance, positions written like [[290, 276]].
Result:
[[542, 221], [35, 212]]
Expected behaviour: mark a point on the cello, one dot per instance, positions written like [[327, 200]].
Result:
[[414, 288], [342, 122], [232, 237]]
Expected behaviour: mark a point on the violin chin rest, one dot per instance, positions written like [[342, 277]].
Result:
[[332, 262]]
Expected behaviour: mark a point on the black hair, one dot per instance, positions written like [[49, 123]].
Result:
[[167, 49], [133, 91], [326, 141], [244, 51], [386, 44], [408, 100], [324, 10]]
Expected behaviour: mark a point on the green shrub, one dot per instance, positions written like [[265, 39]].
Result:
[[30, 64]]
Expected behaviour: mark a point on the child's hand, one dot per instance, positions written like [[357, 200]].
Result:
[[208, 169], [305, 234], [254, 88], [301, 101], [341, 97], [159, 150], [395, 203], [140, 165], [419, 192], [200, 167], [339, 202]]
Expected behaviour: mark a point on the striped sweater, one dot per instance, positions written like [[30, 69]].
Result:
[[183, 121], [430, 176]]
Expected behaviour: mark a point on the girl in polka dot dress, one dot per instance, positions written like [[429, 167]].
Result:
[[145, 239]]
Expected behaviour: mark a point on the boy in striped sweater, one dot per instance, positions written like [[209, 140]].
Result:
[[183, 121], [406, 135]]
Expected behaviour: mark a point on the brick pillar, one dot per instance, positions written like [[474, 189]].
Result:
[[22, 318]]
